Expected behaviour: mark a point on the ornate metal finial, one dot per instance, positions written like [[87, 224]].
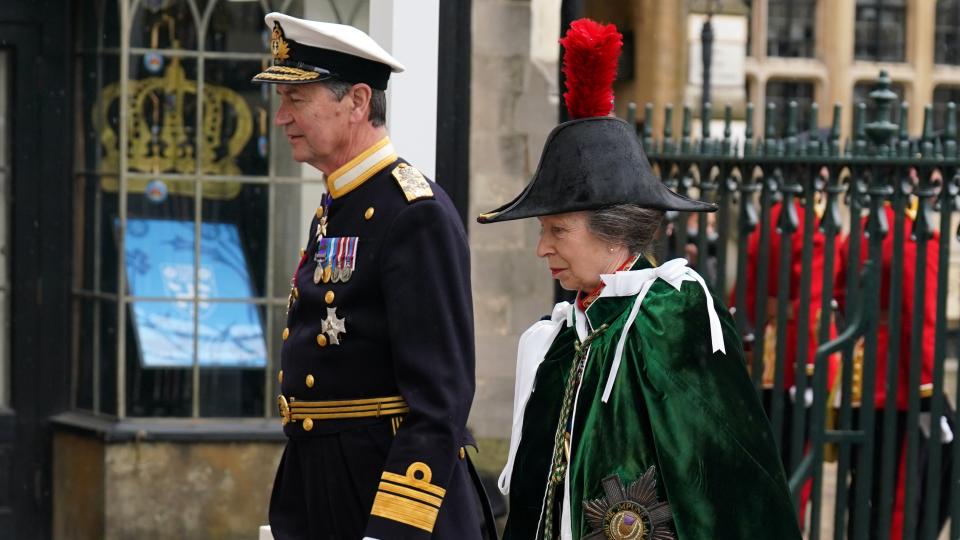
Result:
[[881, 130]]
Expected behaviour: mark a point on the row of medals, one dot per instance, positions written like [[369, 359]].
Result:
[[335, 257]]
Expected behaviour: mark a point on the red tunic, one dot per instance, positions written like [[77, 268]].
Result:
[[907, 309], [815, 301]]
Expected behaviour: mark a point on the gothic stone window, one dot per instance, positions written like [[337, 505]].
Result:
[[942, 95], [782, 92], [790, 28], [881, 29], [947, 36]]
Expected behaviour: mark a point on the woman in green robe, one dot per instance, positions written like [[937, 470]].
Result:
[[634, 416]]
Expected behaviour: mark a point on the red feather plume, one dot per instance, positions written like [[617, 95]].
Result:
[[591, 51]]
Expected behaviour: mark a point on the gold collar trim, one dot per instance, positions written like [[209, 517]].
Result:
[[359, 169]]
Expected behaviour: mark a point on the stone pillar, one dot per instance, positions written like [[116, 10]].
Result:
[[921, 25], [835, 39], [660, 62], [513, 108]]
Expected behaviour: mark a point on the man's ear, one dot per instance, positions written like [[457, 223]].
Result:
[[360, 95]]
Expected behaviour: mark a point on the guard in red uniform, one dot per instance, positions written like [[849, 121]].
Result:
[[769, 326], [907, 309]]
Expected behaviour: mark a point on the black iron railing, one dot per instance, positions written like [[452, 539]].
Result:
[[848, 231]]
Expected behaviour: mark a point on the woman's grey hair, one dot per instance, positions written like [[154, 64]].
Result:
[[627, 225], [378, 100]]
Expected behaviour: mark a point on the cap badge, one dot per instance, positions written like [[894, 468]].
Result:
[[278, 45]]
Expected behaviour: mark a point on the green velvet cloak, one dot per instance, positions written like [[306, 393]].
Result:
[[675, 405]]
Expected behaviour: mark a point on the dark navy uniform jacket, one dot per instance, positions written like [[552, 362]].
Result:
[[401, 326]]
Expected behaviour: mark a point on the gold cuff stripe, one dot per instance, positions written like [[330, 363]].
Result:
[[926, 390], [411, 493], [406, 511], [395, 423], [410, 481], [367, 401]]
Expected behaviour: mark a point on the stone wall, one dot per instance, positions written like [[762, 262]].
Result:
[[159, 490], [513, 109]]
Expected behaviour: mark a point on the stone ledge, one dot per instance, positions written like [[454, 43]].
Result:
[[112, 430]]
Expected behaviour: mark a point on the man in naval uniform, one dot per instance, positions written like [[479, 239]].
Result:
[[377, 364]]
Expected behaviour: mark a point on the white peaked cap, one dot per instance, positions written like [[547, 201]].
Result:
[[309, 51]]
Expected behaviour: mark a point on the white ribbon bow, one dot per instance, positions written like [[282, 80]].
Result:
[[638, 282]]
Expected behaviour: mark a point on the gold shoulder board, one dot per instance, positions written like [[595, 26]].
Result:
[[413, 184]]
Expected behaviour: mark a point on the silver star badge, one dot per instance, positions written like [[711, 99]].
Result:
[[333, 326]]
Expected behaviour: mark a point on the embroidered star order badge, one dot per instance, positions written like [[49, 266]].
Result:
[[333, 326], [633, 513]]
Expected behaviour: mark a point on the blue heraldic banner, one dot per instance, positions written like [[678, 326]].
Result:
[[160, 264]]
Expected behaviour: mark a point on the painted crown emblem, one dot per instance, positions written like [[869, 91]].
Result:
[[161, 139]]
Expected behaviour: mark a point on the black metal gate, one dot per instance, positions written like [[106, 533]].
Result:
[[835, 257]]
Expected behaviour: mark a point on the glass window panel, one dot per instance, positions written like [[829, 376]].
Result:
[[97, 26], [239, 391], [237, 118], [89, 252], [943, 95], [97, 76], [790, 26], [781, 93], [95, 214], [159, 375], [238, 27], [234, 242], [248, 250], [160, 252], [947, 34], [94, 381], [881, 30], [166, 24]]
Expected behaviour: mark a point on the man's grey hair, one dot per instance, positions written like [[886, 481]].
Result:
[[627, 225], [378, 100]]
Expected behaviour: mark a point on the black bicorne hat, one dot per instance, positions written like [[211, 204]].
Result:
[[588, 164], [596, 160]]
